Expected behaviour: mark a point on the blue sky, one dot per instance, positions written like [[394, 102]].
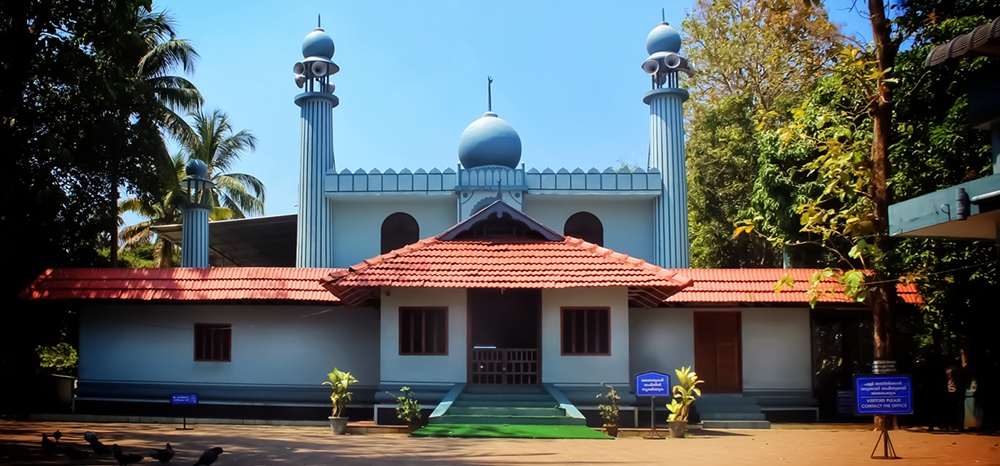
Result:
[[413, 76]]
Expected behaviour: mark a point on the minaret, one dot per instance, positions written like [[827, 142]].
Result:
[[666, 145], [194, 215], [314, 246]]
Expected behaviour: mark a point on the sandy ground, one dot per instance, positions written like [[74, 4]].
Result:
[[20, 443]]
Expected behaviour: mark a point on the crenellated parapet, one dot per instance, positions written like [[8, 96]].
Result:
[[593, 181], [390, 182]]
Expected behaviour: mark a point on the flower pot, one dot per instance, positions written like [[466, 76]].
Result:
[[677, 428], [413, 425], [338, 425], [611, 430]]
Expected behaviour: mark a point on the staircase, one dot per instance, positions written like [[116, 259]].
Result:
[[506, 405], [730, 411]]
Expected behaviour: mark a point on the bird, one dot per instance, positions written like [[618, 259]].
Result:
[[98, 447], [164, 455], [124, 458], [47, 445], [75, 453], [209, 456], [57, 435]]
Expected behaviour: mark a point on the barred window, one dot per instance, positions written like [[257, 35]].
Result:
[[586, 331], [213, 342], [423, 331]]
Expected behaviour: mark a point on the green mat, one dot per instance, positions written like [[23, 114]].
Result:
[[509, 431]]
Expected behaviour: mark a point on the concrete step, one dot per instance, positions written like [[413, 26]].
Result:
[[503, 411], [512, 404], [705, 409], [512, 420], [491, 397], [758, 416], [476, 389], [735, 425]]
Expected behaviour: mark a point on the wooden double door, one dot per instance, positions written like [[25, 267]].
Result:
[[718, 355]]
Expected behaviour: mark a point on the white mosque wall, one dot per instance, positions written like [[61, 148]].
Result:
[[585, 370], [661, 339], [450, 368], [627, 220], [271, 344], [357, 222], [777, 351]]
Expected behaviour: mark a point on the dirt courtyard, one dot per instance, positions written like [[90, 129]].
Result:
[[20, 443]]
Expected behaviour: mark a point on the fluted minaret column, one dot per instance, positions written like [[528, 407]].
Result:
[[194, 214], [314, 243], [666, 146]]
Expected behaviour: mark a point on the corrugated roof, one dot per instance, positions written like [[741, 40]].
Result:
[[506, 263], [983, 40], [757, 286], [183, 284]]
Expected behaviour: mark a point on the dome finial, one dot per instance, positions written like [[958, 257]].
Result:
[[663, 15], [319, 21], [489, 93]]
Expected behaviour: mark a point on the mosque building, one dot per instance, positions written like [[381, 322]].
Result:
[[462, 284]]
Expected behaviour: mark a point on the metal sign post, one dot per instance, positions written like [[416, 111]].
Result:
[[883, 395], [184, 399], [652, 384]]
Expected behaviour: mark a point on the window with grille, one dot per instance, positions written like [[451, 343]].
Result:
[[423, 331], [586, 331], [213, 342]]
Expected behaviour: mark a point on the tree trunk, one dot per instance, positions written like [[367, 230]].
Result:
[[113, 252], [884, 296]]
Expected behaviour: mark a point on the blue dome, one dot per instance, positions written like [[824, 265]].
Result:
[[195, 168], [318, 44], [489, 141], [663, 38]]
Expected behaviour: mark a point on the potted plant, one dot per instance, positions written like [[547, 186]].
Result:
[[408, 409], [685, 392], [339, 383], [609, 411]]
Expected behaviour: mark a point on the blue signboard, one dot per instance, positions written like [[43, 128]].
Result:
[[183, 398], [652, 384], [882, 394]]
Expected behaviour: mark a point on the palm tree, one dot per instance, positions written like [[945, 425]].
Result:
[[165, 211], [214, 142], [155, 51]]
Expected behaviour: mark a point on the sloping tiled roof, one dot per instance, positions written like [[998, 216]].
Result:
[[505, 263], [183, 284], [757, 286]]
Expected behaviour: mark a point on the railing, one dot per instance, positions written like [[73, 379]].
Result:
[[504, 366]]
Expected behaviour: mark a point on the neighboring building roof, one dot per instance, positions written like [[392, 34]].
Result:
[[756, 286], [505, 263], [183, 284], [247, 242], [983, 40]]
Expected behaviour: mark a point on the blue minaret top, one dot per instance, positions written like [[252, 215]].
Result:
[[489, 140], [663, 38], [663, 44]]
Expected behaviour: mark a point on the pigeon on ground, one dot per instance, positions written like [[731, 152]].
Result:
[[57, 435], [164, 455], [123, 458], [47, 445], [209, 457], [75, 453], [98, 447]]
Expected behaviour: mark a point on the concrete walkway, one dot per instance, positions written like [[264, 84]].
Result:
[[307, 446]]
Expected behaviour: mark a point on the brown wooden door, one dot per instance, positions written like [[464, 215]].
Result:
[[718, 357]]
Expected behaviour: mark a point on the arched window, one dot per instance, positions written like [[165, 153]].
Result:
[[398, 230], [586, 226]]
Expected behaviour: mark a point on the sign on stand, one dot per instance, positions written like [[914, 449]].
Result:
[[652, 384], [184, 399], [883, 395]]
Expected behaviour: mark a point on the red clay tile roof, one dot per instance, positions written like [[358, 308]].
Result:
[[757, 286], [505, 263], [183, 284]]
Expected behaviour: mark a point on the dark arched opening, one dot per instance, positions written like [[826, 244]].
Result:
[[586, 226], [398, 230]]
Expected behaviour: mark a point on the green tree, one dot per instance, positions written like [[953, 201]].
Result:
[[750, 56], [214, 141]]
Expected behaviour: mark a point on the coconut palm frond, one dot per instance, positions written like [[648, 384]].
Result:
[[252, 184], [220, 213], [232, 148], [166, 55], [235, 196]]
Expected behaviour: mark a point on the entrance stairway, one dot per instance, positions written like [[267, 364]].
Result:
[[730, 411], [506, 405]]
